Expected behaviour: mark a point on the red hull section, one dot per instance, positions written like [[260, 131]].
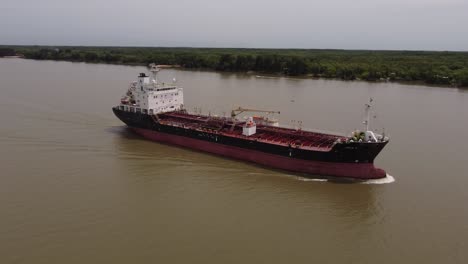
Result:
[[349, 170]]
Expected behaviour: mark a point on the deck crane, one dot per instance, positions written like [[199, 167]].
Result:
[[240, 110]]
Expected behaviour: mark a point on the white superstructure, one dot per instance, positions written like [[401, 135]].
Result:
[[148, 96]]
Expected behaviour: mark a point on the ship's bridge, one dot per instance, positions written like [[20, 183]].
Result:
[[149, 96]]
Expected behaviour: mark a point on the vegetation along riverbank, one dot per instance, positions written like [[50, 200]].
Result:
[[431, 67]]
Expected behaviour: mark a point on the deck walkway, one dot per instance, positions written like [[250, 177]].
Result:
[[301, 139]]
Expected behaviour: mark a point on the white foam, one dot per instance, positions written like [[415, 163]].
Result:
[[388, 179], [311, 179]]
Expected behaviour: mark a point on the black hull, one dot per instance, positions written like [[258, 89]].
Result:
[[356, 153]]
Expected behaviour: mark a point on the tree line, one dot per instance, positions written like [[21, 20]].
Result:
[[431, 67], [7, 52]]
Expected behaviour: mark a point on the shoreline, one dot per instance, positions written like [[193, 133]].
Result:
[[445, 69], [256, 74], [14, 57]]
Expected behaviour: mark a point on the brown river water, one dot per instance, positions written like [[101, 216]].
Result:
[[76, 186]]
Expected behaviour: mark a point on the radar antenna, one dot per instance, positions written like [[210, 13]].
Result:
[[154, 71]]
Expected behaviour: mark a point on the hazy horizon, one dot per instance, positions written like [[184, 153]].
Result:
[[429, 25], [205, 47]]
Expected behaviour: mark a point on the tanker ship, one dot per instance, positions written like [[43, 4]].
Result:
[[155, 110]]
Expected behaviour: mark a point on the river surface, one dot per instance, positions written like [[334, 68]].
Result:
[[76, 186]]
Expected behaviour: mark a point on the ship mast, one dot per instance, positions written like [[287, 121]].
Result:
[[154, 71], [367, 114]]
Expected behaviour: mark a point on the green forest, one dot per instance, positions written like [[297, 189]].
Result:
[[7, 52], [430, 67]]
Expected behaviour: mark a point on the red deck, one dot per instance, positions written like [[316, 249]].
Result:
[[269, 134]]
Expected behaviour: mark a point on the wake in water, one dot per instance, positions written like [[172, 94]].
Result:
[[388, 179]]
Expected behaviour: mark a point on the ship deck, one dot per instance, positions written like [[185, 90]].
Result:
[[225, 126]]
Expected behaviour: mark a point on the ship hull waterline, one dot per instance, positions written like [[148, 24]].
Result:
[[313, 169]]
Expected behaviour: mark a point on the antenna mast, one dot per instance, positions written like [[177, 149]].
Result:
[[367, 114], [154, 71]]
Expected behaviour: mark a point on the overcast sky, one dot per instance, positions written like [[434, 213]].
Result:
[[325, 24]]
